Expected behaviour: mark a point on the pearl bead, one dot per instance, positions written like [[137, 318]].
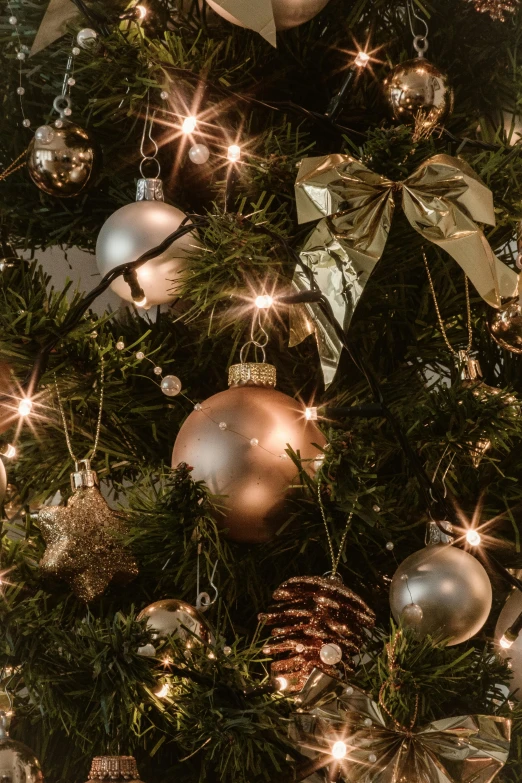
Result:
[[157, 371], [140, 355], [349, 690], [75, 51], [13, 20], [20, 56], [254, 442], [299, 648], [67, 111], [120, 345], [372, 758], [164, 95], [390, 545], [26, 123], [20, 90], [227, 650], [197, 406], [71, 81], [376, 508], [331, 654], [171, 386], [199, 154], [368, 722], [44, 134], [222, 425]]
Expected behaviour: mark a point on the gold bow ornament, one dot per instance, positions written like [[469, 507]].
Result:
[[257, 16], [443, 200], [466, 749], [58, 15]]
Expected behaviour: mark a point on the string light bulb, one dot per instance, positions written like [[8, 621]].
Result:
[[189, 125], [25, 407], [264, 301], [311, 414], [473, 537], [141, 11], [234, 153], [163, 692], [505, 642], [142, 302], [282, 683], [339, 750], [362, 59]]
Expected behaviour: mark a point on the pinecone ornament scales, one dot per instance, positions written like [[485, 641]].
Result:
[[313, 614]]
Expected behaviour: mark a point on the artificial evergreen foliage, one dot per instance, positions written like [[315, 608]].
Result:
[[79, 686]]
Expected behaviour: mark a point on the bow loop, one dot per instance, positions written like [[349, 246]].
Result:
[[442, 200]]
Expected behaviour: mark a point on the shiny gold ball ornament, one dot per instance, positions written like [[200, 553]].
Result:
[[505, 325], [449, 586], [236, 442], [136, 228], [62, 159], [18, 764], [114, 768], [507, 646], [419, 94], [177, 619], [287, 13]]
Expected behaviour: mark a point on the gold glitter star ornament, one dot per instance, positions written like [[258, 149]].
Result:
[[84, 539]]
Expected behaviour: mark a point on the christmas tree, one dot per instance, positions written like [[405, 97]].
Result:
[[291, 546]]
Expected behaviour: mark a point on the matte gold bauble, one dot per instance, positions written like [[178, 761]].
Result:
[[505, 326], [62, 159], [417, 92], [451, 588], [508, 615], [177, 619], [18, 764], [236, 441], [287, 13]]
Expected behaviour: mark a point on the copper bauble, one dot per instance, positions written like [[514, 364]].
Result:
[[178, 619], [417, 92], [451, 588], [62, 160], [505, 326], [287, 13], [236, 443], [512, 609]]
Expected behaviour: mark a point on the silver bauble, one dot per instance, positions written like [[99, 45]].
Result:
[[18, 764], [287, 13], [417, 92], [62, 163], [87, 38], [508, 615], [177, 619], [505, 325], [449, 585], [236, 443], [133, 230]]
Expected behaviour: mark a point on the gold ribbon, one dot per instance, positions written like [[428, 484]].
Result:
[[452, 750], [443, 201]]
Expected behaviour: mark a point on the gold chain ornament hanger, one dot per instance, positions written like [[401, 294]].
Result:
[[335, 560]]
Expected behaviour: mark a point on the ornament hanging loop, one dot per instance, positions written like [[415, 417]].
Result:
[[62, 105], [420, 44]]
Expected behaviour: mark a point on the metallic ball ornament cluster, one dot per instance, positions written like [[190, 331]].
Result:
[[442, 591], [62, 159], [505, 325], [176, 619], [418, 93], [287, 13], [236, 442]]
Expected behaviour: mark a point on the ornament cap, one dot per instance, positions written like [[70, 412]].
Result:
[[83, 477], [114, 767], [252, 374], [469, 368], [149, 189], [437, 535]]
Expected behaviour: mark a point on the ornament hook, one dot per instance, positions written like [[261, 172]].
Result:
[[204, 601]]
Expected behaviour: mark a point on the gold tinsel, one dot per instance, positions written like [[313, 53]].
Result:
[[497, 9]]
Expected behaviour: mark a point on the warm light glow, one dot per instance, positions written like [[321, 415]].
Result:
[[10, 451], [311, 415], [141, 10], [505, 642], [211, 656], [166, 661], [163, 692], [339, 750], [25, 407], [282, 683], [264, 301], [189, 125], [473, 537], [362, 59], [234, 153], [141, 302]]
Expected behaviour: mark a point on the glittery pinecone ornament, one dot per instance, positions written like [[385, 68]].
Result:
[[497, 9], [318, 622]]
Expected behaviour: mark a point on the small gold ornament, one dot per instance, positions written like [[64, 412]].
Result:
[[318, 622], [116, 768], [505, 325], [18, 764], [419, 93], [340, 729], [62, 159], [178, 619], [84, 539]]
